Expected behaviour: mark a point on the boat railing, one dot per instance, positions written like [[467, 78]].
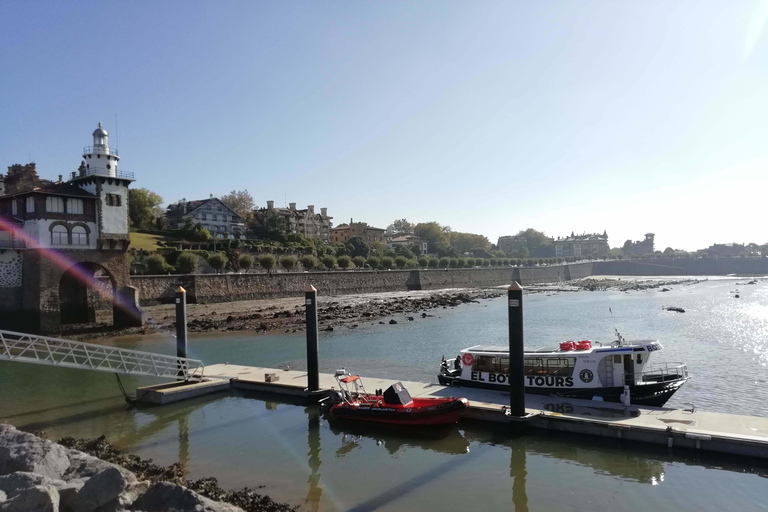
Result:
[[660, 372]]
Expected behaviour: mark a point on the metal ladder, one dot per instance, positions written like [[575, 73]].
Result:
[[31, 348], [609, 371]]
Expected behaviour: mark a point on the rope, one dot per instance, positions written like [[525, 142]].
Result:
[[128, 399]]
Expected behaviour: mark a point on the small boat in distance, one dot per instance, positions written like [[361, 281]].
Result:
[[576, 369], [392, 406]]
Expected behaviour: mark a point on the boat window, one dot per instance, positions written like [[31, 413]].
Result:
[[617, 359], [560, 366], [639, 358], [491, 364]]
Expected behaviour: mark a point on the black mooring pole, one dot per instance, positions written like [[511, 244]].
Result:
[[516, 344], [181, 326], [313, 346]]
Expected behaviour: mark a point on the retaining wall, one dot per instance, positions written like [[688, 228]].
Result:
[[682, 267]]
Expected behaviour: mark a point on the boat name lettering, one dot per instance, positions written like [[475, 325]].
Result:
[[651, 348], [550, 381], [561, 408]]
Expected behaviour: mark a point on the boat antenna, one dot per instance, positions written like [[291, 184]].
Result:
[[615, 329]]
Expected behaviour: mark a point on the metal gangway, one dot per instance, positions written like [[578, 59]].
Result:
[[31, 348]]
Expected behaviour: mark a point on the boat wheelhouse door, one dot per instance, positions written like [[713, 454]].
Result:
[[629, 370]]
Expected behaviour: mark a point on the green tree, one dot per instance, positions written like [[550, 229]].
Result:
[[454, 262], [268, 262], [400, 261], [357, 247], [308, 262], [143, 208], [493, 262], [400, 227], [466, 242], [423, 261], [433, 262], [412, 263], [387, 262], [218, 261], [156, 263], [461, 262], [485, 262], [433, 233], [359, 261], [344, 262], [444, 262], [186, 263], [470, 262], [288, 262], [245, 261], [329, 262], [373, 261], [241, 202]]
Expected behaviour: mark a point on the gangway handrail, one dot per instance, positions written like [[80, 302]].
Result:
[[31, 348]]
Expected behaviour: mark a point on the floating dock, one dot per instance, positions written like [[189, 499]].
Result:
[[683, 428]]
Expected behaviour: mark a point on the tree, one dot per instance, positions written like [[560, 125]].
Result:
[[329, 262], [401, 250], [359, 261], [309, 262], [401, 261], [373, 262], [156, 263], [461, 262], [186, 263], [245, 261], [433, 233], [218, 261], [444, 262], [454, 263], [143, 208], [344, 262], [267, 262], [357, 247], [423, 262], [400, 227], [627, 248], [387, 262], [240, 201], [493, 261], [433, 262], [469, 262], [466, 242], [288, 262]]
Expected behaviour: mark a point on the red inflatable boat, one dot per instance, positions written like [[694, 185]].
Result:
[[392, 406]]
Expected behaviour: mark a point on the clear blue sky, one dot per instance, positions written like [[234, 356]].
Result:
[[490, 117]]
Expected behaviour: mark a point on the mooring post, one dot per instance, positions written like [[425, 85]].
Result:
[[516, 347], [181, 327], [313, 345]]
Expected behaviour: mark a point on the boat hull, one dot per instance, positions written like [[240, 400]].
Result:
[[654, 394], [442, 413]]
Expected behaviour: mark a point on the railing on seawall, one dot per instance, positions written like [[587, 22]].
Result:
[[31, 348]]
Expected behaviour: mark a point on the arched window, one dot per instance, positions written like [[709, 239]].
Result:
[[79, 235], [59, 235], [30, 204]]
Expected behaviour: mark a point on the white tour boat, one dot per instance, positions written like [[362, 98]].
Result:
[[576, 369]]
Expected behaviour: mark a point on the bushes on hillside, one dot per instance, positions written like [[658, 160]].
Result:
[[186, 263]]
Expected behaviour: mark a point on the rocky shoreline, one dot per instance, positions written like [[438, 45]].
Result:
[[90, 475]]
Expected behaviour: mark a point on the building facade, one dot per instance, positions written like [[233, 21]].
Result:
[[343, 232], [291, 220], [407, 241], [583, 246], [212, 214], [642, 247], [512, 244]]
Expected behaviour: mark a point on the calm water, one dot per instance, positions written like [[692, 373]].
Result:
[[247, 440]]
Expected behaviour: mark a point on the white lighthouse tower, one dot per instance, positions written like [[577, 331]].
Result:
[[100, 159], [98, 175]]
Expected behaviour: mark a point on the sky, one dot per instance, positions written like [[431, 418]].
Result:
[[490, 117]]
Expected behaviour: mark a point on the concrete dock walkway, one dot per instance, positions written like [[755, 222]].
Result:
[[706, 431]]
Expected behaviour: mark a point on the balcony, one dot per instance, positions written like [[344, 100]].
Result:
[[12, 244], [95, 150], [110, 174]]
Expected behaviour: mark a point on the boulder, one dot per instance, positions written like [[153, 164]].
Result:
[[102, 488], [41, 498], [2, 496], [20, 451], [167, 497], [16, 482], [82, 465]]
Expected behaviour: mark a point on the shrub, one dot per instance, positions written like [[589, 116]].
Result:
[[493, 262], [218, 261], [469, 262], [387, 262], [454, 262], [308, 262], [288, 262], [359, 261], [156, 264], [423, 262], [444, 262], [267, 262], [373, 262], [461, 262], [344, 262], [485, 262], [400, 261], [432, 262], [245, 261], [329, 261], [186, 263], [412, 263]]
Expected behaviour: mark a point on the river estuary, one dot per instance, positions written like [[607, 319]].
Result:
[[247, 440]]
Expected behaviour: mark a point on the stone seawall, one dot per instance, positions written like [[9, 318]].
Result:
[[682, 267]]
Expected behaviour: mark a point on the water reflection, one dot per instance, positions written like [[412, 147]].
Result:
[[442, 438], [518, 473], [315, 492]]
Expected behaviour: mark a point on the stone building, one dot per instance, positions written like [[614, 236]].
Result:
[[63, 244], [407, 241], [512, 244], [732, 250], [215, 216], [369, 234], [583, 246], [640, 248], [290, 220]]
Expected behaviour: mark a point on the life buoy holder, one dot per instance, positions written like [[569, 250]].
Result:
[[467, 359]]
